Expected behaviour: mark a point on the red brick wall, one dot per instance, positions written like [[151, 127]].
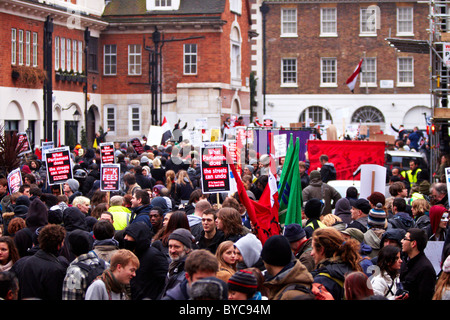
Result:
[[348, 48]]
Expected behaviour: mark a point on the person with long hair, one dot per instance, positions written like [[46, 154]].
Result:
[[230, 222], [357, 286], [334, 258], [178, 219], [442, 291], [183, 187], [8, 253], [386, 279], [226, 257], [170, 182], [99, 209], [420, 209]]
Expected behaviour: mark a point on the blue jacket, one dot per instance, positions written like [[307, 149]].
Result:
[[141, 213]]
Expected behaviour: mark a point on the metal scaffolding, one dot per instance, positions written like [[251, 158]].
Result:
[[439, 77]]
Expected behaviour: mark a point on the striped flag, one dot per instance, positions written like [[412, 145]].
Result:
[[351, 81]]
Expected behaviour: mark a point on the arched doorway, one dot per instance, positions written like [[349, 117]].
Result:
[[91, 120]]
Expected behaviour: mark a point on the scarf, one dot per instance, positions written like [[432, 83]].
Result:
[[6, 267], [111, 283]]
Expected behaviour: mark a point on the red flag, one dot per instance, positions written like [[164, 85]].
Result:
[[262, 214], [351, 81]]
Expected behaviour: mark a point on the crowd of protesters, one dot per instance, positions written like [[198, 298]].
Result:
[[162, 238]]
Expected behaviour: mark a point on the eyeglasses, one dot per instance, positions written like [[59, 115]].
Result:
[[406, 239]]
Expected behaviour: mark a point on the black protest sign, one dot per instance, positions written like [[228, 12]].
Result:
[[59, 168], [137, 145], [106, 152], [110, 177], [214, 169]]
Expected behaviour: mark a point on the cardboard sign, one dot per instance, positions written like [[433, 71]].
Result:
[[110, 177], [214, 169], [137, 145], [373, 178], [107, 152], [14, 180], [26, 147], [45, 147], [280, 145], [59, 166]]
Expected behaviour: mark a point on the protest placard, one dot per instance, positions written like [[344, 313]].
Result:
[[110, 177], [107, 152], [137, 145], [14, 180], [215, 171], [23, 139], [59, 166]]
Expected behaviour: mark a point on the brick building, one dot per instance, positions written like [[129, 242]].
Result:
[[313, 46], [107, 71]]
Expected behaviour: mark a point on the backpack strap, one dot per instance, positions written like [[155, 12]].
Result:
[[339, 282]]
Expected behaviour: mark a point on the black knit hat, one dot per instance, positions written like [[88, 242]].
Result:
[[243, 281], [277, 251]]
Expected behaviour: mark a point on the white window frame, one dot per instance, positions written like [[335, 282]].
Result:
[[13, 46], [373, 70], [20, 47], [133, 55], [284, 71], [287, 24], [63, 53], [113, 127], [162, 5], [188, 59], [322, 73], [131, 120], [57, 54], [399, 21], [80, 56], [236, 56], [323, 32], [110, 55], [35, 49], [363, 26], [405, 83], [74, 55], [27, 48], [69, 55], [236, 6]]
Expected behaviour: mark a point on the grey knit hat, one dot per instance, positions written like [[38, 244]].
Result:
[[184, 236], [73, 184]]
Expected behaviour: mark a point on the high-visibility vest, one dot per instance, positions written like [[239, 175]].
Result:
[[412, 178]]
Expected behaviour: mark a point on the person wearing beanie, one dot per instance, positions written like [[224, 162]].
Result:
[[70, 189], [320, 190], [375, 198], [180, 243], [300, 244], [242, 285], [77, 278], [286, 276], [210, 288], [313, 210], [342, 210], [360, 214]]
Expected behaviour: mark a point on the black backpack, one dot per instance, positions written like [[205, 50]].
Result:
[[93, 270]]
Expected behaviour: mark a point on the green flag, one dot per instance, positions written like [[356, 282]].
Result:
[[290, 187]]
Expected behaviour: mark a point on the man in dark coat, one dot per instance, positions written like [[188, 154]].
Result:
[[140, 208], [150, 277], [41, 276], [417, 274]]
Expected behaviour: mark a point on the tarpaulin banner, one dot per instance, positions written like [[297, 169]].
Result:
[[346, 155]]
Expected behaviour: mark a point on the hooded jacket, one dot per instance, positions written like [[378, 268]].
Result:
[[328, 172], [250, 248], [37, 217], [402, 220], [150, 277], [294, 273], [73, 219], [320, 190], [342, 210]]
